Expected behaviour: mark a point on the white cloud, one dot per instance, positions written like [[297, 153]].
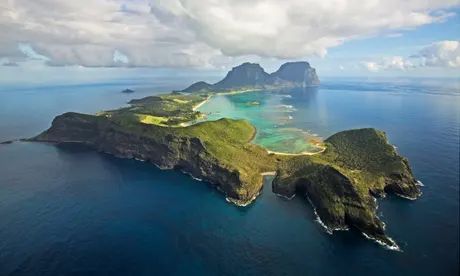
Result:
[[198, 32], [439, 54], [394, 35], [371, 66]]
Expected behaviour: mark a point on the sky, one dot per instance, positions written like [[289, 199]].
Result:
[[59, 41]]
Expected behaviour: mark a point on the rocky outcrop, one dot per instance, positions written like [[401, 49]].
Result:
[[298, 73], [342, 183], [127, 91], [253, 76], [367, 153], [244, 75]]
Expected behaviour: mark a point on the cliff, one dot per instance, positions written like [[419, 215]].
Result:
[[210, 151], [252, 76], [297, 74], [342, 183]]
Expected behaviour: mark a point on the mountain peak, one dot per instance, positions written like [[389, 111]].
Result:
[[246, 74], [298, 71], [252, 76]]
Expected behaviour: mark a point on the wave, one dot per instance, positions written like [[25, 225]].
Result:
[[191, 175], [289, 107], [285, 197], [328, 229], [393, 247]]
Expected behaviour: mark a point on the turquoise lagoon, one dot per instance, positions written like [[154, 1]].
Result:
[[270, 114]]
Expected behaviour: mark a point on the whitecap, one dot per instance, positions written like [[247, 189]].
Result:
[[191, 175], [393, 247], [239, 203], [329, 230], [407, 197], [285, 197], [420, 183]]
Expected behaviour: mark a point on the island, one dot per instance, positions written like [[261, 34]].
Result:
[[127, 91], [342, 181]]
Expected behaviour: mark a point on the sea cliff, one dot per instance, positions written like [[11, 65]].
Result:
[[341, 182], [251, 76]]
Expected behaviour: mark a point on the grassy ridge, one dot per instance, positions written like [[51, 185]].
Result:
[[163, 110], [365, 156], [229, 141], [341, 182]]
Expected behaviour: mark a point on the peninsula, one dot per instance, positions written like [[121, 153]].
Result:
[[341, 182]]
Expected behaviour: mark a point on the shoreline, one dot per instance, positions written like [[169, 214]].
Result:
[[251, 140], [273, 173], [233, 92], [202, 103], [296, 154]]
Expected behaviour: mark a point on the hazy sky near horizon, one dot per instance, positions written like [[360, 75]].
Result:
[[57, 40]]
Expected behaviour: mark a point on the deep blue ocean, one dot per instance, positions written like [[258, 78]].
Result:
[[72, 211]]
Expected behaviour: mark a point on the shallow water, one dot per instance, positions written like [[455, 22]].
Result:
[[73, 211], [269, 113]]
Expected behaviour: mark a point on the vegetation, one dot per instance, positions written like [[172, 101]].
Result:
[[365, 156], [229, 141], [172, 110], [226, 140], [164, 119], [341, 181]]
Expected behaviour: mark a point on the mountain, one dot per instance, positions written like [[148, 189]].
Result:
[[253, 76], [200, 86], [299, 72], [244, 75]]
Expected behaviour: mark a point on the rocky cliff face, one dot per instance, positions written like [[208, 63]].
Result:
[[164, 149], [253, 76], [244, 75], [342, 183], [300, 73]]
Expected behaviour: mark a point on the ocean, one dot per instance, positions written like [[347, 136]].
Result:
[[67, 210]]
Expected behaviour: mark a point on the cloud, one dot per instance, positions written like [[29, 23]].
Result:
[[198, 32], [444, 54], [371, 66], [441, 54], [394, 35], [389, 63], [8, 63]]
